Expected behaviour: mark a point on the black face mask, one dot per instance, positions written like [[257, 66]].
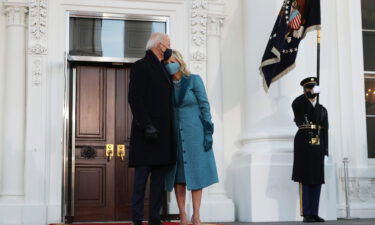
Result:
[[167, 54], [310, 95]]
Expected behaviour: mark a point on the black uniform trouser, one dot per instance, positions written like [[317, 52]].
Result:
[[309, 199], [141, 175]]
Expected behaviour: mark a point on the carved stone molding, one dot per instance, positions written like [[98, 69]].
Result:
[[38, 18], [361, 189], [199, 22], [37, 71], [198, 56], [15, 13], [198, 49], [38, 49], [37, 39]]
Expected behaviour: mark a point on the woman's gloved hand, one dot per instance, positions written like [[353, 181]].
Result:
[[208, 129]]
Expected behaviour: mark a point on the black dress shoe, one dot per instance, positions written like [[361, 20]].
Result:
[[319, 219], [154, 222], [309, 219], [137, 223]]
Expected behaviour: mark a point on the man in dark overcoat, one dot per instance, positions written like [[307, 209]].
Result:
[[151, 144], [310, 148]]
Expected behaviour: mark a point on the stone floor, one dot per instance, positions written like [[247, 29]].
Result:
[[339, 222]]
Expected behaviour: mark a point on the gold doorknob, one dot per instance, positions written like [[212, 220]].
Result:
[[121, 151], [109, 151]]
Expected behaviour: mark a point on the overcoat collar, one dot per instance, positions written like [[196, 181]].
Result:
[[151, 57], [185, 82]]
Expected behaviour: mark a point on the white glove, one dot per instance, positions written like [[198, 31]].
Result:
[[316, 89]]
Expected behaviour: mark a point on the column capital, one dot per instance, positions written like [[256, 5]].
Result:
[[15, 13], [215, 17], [214, 24]]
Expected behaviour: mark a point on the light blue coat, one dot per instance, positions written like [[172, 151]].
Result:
[[190, 109]]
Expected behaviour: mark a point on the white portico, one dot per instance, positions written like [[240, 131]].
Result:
[[223, 41]]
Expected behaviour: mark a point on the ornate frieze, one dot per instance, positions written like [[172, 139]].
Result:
[[199, 22], [37, 39], [38, 18], [37, 71], [38, 49], [198, 49]]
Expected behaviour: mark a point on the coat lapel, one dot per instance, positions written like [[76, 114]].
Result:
[[154, 61], [185, 81]]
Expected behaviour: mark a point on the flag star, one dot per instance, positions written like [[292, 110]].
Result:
[[287, 7], [290, 50], [295, 49], [274, 35]]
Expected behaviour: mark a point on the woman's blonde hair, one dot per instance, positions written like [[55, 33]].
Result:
[[183, 67]]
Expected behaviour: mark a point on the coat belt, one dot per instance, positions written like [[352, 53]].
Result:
[[310, 127]]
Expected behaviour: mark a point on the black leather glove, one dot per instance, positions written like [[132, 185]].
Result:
[[151, 134]]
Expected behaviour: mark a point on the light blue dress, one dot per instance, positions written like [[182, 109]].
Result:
[[195, 167]]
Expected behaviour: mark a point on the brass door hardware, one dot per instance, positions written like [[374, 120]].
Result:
[[109, 152], [121, 151]]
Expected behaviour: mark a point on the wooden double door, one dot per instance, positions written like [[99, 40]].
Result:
[[103, 183]]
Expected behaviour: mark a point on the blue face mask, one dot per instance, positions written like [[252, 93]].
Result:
[[172, 68]]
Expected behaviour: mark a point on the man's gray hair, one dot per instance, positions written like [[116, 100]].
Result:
[[155, 39]]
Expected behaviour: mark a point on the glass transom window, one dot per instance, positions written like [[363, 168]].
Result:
[[111, 37]]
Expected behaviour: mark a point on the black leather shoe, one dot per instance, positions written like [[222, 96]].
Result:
[[319, 219], [154, 222], [137, 223], [308, 219]]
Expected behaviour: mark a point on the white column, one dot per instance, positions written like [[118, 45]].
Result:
[[216, 204], [263, 187], [12, 186]]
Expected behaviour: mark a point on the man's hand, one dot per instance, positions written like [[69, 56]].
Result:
[[151, 134]]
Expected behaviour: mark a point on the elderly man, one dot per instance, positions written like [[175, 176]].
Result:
[[151, 143]]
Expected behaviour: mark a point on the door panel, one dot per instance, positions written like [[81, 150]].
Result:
[[102, 188], [95, 127]]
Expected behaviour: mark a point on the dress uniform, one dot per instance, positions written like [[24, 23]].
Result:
[[310, 148]]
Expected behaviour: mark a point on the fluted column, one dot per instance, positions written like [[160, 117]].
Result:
[[12, 186]]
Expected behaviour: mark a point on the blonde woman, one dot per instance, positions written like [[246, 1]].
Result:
[[195, 168]]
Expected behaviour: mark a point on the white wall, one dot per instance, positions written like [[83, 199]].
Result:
[[233, 79], [2, 52]]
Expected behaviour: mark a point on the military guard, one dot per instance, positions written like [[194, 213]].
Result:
[[310, 148]]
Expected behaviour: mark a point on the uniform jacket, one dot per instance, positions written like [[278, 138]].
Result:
[[150, 91], [191, 110], [308, 166]]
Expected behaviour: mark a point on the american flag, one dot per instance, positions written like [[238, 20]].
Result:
[[295, 20], [282, 48]]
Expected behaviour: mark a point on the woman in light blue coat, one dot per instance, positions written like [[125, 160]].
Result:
[[195, 168]]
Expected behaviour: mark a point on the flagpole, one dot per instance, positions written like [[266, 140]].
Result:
[[318, 58]]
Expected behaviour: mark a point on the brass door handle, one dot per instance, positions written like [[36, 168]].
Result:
[[121, 151], [109, 151]]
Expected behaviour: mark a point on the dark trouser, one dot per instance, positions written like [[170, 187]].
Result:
[[309, 199], [141, 175]]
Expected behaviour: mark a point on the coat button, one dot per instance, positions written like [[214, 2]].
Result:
[[183, 140], [185, 162]]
